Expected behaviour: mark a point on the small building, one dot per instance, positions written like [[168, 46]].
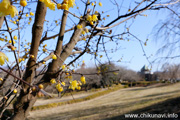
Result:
[[146, 73]]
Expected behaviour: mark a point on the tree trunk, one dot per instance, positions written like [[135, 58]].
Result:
[[27, 99], [1, 21], [23, 106]]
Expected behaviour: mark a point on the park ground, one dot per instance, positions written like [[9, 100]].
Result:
[[113, 106]]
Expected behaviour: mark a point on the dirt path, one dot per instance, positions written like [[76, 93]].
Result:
[[65, 98], [115, 103]]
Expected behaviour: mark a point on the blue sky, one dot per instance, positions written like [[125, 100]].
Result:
[[131, 52]]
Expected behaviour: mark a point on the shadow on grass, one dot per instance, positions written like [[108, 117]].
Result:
[[101, 111], [168, 107]]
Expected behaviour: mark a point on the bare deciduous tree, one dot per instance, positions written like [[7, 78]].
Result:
[[88, 27]]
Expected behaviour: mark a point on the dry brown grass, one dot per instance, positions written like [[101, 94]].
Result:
[[109, 105]]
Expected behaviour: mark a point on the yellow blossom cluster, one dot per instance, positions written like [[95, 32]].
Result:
[[83, 80], [59, 87], [3, 58], [51, 5], [66, 4], [74, 84], [92, 18], [21, 59], [7, 9]]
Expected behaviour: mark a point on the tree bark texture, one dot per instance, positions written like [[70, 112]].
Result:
[[1, 21], [26, 99]]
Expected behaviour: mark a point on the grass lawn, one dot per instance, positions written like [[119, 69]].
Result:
[[112, 105]]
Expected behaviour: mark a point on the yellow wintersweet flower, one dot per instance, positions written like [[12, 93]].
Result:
[[14, 42], [100, 4], [15, 91], [7, 9], [79, 26], [44, 50], [89, 18], [92, 4], [60, 89], [1, 79], [145, 44], [4, 5], [58, 85], [1, 39], [31, 56], [40, 86], [83, 32], [27, 15], [71, 3], [52, 81], [79, 88], [30, 18], [63, 67], [3, 57], [65, 7], [73, 84], [54, 57], [23, 3], [44, 45], [20, 59], [11, 42], [91, 23], [15, 37], [83, 80], [12, 11], [59, 6], [63, 83], [14, 22], [31, 13], [94, 18], [52, 6]]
